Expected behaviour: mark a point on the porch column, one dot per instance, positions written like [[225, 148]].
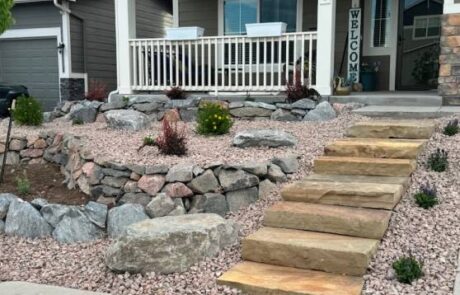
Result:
[[125, 27], [325, 46]]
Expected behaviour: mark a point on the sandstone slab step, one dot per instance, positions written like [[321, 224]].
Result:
[[357, 222], [26, 288], [407, 129], [354, 194], [375, 148], [309, 250], [364, 166], [402, 180], [262, 279]]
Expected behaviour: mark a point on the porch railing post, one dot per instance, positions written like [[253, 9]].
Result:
[[325, 46], [125, 15]]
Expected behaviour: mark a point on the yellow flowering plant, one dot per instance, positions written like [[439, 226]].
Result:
[[213, 119]]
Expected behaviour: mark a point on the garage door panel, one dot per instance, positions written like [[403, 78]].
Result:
[[33, 63]]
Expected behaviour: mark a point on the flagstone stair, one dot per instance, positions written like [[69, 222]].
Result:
[[320, 239]]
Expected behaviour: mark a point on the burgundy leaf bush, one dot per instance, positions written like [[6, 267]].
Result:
[[172, 140]]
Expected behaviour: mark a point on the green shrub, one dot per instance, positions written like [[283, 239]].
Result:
[[23, 185], [426, 197], [77, 121], [213, 119], [451, 128], [28, 111], [149, 140], [438, 161], [125, 99], [407, 269]]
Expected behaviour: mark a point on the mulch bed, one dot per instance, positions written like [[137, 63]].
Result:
[[46, 181]]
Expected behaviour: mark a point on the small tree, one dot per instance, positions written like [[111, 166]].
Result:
[[6, 18]]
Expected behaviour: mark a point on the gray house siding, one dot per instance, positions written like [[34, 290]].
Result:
[[201, 13], [36, 15], [152, 17]]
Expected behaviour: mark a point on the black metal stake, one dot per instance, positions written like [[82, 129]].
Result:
[[7, 145]]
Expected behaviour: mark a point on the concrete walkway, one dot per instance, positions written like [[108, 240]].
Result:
[[24, 288], [408, 112]]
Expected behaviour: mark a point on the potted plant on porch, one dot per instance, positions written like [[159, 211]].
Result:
[[369, 76]]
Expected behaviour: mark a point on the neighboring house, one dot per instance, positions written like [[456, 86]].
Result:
[[56, 48], [313, 50]]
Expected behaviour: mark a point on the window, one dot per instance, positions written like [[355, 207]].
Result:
[[427, 26], [238, 13], [381, 22], [279, 11]]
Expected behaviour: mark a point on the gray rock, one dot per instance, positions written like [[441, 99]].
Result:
[[282, 115], [250, 112], [180, 173], [206, 182], [197, 171], [286, 106], [236, 104], [148, 99], [49, 116], [304, 104], [264, 137], [38, 203], [114, 181], [2, 227], [265, 188], [262, 105], [12, 159], [5, 201], [146, 107], [135, 198], [96, 213], [299, 112], [182, 103], [209, 203], [115, 165], [161, 205], [156, 169], [257, 168], [85, 114], [115, 172], [170, 244], [232, 180], [119, 218], [241, 198], [112, 106], [25, 221], [76, 228], [53, 213], [179, 210], [127, 119], [275, 173], [322, 112], [104, 190], [139, 169], [289, 164], [188, 115]]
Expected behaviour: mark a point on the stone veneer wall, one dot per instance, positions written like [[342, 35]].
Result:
[[449, 60], [215, 188], [72, 89]]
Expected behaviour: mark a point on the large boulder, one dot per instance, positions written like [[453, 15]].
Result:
[[127, 119], [84, 114], [323, 112], [210, 203], [2, 227], [162, 205], [232, 179], [289, 164], [76, 227], [180, 173], [96, 213], [304, 104], [5, 201], [282, 115], [53, 213], [121, 217], [25, 221], [242, 198], [170, 244], [206, 182], [264, 137]]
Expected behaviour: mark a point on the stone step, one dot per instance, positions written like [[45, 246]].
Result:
[[404, 181], [262, 279], [354, 194], [364, 166], [309, 250], [26, 288], [375, 148], [405, 129], [357, 222]]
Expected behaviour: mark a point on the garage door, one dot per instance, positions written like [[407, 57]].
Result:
[[33, 63]]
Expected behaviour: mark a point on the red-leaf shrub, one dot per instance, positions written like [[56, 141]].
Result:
[[97, 90], [176, 93], [296, 91], [173, 139]]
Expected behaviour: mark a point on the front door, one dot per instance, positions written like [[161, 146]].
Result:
[[418, 44]]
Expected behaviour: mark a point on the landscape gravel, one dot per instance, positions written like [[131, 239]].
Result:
[[432, 235]]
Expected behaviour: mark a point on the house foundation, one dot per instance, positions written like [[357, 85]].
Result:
[[449, 60]]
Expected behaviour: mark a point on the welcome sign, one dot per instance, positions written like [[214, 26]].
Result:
[[354, 40]]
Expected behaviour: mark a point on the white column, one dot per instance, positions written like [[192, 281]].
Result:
[[125, 26], [325, 46]]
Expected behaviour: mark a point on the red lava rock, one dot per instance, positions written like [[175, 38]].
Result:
[[177, 190], [151, 184]]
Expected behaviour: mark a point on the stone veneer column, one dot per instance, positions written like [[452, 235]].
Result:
[[449, 60], [72, 89]]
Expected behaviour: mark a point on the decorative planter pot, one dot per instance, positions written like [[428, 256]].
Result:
[[266, 29], [184, 33], [369, 81]]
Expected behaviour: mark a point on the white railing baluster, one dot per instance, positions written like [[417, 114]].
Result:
[[202, 77], [165, 72], [182, 63], [272, 57], [302, 68], [243, 71], [258, 63], [209, 67], [237, 62], [287, 59], [189, 67], [251, 62], [265, 62], [294, 60], [280, 62], [141, 65], [310, 61]]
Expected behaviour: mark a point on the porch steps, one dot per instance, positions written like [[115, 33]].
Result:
[[388, 98], [356, 222], [321, 238], [407, 112]]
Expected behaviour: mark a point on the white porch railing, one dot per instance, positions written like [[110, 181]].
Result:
[[224, 63]]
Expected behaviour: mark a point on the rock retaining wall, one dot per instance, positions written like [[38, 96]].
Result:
[[155, 190]]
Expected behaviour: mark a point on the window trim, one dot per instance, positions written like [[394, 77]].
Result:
[[221, 18], [427, 18]]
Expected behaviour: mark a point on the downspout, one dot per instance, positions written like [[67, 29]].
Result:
[[60, 7]]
